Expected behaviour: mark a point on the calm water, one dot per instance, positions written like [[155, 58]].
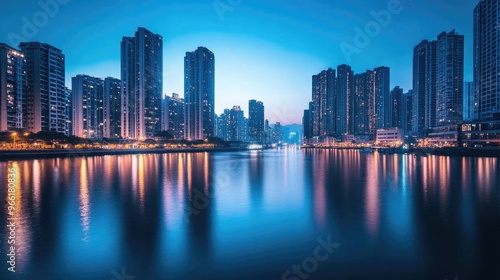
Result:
[[254, 215]]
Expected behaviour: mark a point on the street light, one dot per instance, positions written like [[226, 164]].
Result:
[[14, 135]]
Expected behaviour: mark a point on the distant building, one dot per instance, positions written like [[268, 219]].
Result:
[[362, 98], [487, 60], [68, 111], [236, 128], [142, 84], [389, 136], [12, 86], [88, 106], [44, 106], [199, 94], [407, 112], [112, 108], [450, 78], [173, 116], [394, 114], [256, 121]]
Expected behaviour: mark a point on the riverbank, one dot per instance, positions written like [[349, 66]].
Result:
[[72, 153], [448, 151]]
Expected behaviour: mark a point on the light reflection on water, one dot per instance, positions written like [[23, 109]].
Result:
[[254, 214]]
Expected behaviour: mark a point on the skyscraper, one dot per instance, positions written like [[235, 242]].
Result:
[[236, 124], [324, 101], [12, 83], [424, 87], [142, 83], [395, 108], [382, 96], [361, 96], [88, 106], [450, 78], [345, 100], [406, 112], [112, 108], [68, 111], [256, 121], [487, 60], [44, 99], [199, 96]]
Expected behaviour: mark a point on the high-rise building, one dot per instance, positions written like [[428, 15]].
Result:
[[12, 84], [395, 108], [487, 60], [88, 106], [173, 116], [450, 78], [199, 95], [345, 100], [424, 87], [306, 125], [44, 98], [236, 128], [468, 101], [112, 108], [324, 101], [361, 99], [223, 125], [255, 121], [382, 97], [68, 109], [142, 83], [406, 112]]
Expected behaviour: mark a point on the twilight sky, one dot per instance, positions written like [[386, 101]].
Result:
[[264, 50]]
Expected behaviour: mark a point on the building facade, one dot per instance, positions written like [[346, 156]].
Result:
[[424, 87], [255, 121], [450, 78], [44, 98], [487, 60], [142, 84], [88, 107], [199, 94], [12, 86], [112, 108]]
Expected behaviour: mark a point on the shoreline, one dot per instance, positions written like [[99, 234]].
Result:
[[74, 153], [449, 151]]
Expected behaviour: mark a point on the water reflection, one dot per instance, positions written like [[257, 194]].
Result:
[[229, 215]]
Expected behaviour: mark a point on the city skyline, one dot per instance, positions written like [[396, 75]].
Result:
[[293, 59]]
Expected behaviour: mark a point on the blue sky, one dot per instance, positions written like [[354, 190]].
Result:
[[264, 50]]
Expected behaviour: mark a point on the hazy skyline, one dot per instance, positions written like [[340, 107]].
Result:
[[264, 50]]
